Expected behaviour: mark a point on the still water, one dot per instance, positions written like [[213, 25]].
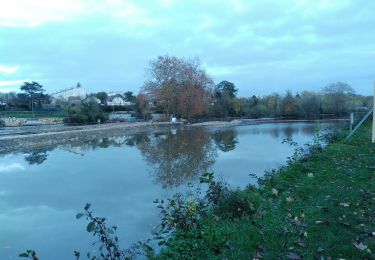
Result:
[[41, 192]]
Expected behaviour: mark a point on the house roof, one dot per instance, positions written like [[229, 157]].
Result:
[[111, 98]]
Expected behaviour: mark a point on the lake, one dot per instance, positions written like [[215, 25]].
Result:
[[41, 192]]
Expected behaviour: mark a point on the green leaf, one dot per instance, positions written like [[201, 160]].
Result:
[[23, 254], [79, 215], [90, 227]]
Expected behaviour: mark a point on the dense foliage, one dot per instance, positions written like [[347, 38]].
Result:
[[180, 87], [336, 99], [31, 97], [85, 113]]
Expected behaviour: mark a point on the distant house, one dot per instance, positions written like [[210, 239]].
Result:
[[92, 99], [116, 100], [114, 93], [65, 94]]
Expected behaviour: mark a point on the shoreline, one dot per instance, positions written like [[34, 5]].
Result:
[[327, 194], [67, 134], [58, 135]]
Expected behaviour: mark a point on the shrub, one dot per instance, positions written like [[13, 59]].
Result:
[[237, 204], [85, 113]]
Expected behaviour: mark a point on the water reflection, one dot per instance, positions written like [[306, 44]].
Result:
[[37, 157], [178, 156], [225, 140], [121, 176]]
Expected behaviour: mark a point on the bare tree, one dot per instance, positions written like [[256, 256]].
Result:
[[310, 103], [336, 97], [161, 85], [180, 86], [195, 91]]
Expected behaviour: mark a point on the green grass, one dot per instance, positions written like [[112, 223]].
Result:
[[322, 208]]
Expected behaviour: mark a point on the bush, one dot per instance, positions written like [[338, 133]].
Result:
[[2, 123], [237, 204], [86, 113]]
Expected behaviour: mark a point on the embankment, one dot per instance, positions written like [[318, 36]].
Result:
[[53, 136], [322, 207]]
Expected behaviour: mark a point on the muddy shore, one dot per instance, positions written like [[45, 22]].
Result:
[[54, 136]]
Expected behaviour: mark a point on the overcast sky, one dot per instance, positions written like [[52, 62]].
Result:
[[261, 46]]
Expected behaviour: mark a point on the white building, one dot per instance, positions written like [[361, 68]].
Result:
[[116, 100], [92, 99], [70, 92], [115, 93]]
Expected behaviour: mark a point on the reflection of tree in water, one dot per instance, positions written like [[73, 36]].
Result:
[[137, 139], [180, 157], [289, 131], [225, 140], [37, 157]]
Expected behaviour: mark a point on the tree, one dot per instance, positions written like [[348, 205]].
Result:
[[194, 92], [130, 97], [310, 103], [289, 105], [226, 88], [224, 94], [102, 96], [32, 90], [179, 86], [273, 103], [161, 84], [89, 112], [337, 96]]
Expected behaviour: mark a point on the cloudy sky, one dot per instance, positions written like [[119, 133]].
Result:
[[262, 46]]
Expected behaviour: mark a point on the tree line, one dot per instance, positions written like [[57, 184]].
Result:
[[182, 88]]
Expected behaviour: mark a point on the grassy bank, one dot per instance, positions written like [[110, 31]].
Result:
[[320, 208]]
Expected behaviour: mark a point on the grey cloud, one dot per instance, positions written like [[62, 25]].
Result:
[[266, 47]]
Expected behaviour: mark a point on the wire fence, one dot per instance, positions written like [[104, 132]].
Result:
[[32, 115]]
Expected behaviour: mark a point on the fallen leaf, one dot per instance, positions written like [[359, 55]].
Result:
[[275, 192], [344, 204], [294, 256], [300, 243], [298, 223]]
